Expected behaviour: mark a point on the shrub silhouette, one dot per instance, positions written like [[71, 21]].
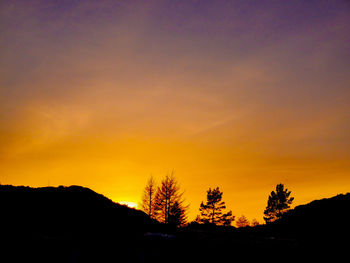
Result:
[[242, 221]]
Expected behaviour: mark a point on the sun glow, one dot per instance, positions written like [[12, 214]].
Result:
[[129, 204], [201, 91]]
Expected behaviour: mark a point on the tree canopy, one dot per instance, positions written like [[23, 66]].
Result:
[[169, 204], [279, 202], [148, 199], [211, 212]]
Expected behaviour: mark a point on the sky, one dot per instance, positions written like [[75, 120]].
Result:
[[240, 95]]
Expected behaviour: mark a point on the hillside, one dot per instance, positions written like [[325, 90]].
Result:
[[321, 225], [52, 211], [55, 220], [320, 219], [75, 224]]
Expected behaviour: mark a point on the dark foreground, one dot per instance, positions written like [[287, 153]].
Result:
[[75, 224]]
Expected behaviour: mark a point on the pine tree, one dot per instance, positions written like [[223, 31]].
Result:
[[211, 212], [278, 203]]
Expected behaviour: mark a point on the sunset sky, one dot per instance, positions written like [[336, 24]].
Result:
[[237, 94]]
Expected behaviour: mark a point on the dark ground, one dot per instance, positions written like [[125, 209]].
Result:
[[75, 224]]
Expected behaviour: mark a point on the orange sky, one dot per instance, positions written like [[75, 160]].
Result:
[[237, 96]]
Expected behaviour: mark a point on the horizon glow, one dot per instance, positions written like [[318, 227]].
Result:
[[235, 94]]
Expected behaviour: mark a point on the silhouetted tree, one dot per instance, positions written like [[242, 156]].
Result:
[[278, 203], [211, 212], [198, 219], [242, 221], [254, 222], [148, 199], [169, 203], [177, 215]]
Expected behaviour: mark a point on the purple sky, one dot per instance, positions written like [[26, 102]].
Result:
[[224, 92]]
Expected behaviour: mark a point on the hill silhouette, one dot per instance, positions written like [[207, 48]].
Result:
[[76, 224], [318, 229], [322, 222], [72, 223]]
